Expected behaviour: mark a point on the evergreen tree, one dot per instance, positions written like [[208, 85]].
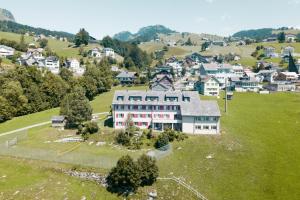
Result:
[[76, 107], [292, 66], [281, 37], [149, 170], [82, 37]]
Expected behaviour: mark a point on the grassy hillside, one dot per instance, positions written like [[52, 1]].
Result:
[[183, 37], [64, 49]]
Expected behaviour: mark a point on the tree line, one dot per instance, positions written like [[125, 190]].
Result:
[[9, 26], [25, 90]]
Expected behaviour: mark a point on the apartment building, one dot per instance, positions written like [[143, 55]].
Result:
[[178, 110]]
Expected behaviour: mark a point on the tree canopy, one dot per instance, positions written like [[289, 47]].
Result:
[[82, 37]]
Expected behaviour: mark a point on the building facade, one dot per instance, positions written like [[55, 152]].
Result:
[[181, 111], [208, 86]]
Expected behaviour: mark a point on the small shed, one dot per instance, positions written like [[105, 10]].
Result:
[[58, 122]]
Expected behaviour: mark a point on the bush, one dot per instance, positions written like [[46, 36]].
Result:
[[85, 130], [162, 140], [91, 127], [123, 138]]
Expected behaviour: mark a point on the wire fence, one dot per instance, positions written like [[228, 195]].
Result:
[[11, 145], [18, 145]]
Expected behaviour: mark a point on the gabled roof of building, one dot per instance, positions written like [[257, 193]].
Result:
[[125, 74], [194, 107], [204, 79]]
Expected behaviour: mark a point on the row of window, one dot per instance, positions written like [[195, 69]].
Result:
[[206, 127], [207, 119], [146, 107], [152, 98], [160, 116], [135, 123]]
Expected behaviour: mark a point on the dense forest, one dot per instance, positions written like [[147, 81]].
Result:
[[26, 90], [9, 26], [258, 34]]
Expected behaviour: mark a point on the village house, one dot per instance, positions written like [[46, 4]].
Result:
[[198, 58], [267, 75], [287, 76], [245, 84], [126, 77], [74, 66], [220, 71], [280, 86], [290, 38], [177, 68], [208, 86], [162, 82], [238, 70], [52, 64], [270, 52], [286, 51], [6, 51], [189, 83], [108, 52], [178, 110], [95, 52]]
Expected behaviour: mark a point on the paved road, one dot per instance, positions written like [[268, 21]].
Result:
[[37, 125]]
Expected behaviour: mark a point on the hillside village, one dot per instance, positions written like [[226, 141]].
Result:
[[156, 114]]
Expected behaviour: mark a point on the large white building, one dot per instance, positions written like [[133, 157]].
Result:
[[179, 110]]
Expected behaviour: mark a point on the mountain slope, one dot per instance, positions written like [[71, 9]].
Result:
[[145, 34], [13, 27], [6, 15]]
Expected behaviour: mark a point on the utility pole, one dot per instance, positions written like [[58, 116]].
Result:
[[226, 95]]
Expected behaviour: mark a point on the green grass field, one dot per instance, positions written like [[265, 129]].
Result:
[[20, 179], [256, 157]]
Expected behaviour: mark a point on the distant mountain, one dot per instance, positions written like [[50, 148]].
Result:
[[145, 34], [6, 15], [124, 36], [262, 33]]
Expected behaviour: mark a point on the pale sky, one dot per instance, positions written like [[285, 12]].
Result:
[[107, 17]]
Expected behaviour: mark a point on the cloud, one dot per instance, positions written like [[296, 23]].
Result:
[[200, 19], [225, 17], [209, 1]]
